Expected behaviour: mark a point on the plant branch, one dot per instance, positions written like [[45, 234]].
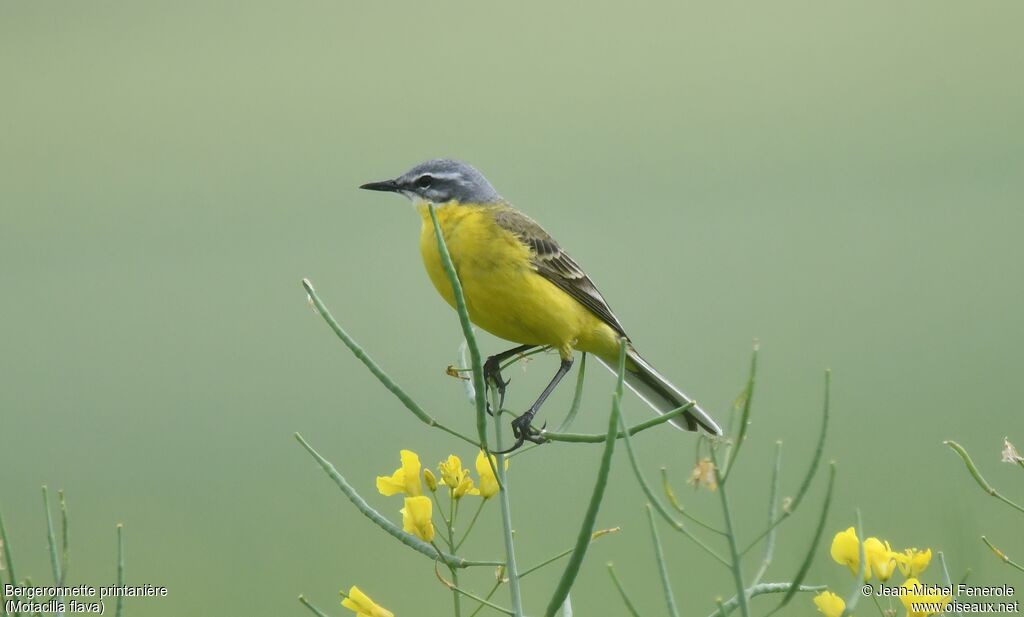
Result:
[[590, 517], [375, 368], [467, 331], [971, 467], [409, 540]]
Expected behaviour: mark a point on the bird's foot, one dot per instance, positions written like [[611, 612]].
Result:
[[492, 373], [523, 432]]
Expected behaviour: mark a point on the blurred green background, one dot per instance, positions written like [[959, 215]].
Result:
[[842, 182]]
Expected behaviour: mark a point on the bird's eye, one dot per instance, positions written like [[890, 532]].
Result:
[[424, 182]]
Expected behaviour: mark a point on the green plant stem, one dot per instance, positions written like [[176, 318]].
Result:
[[1001, 555], [467, 331], [805, 566], [8, 560], [659, 557], [773, 505], [511, 569], [733, 603], [472, 522], [119, 605], [812, 470], [621, 434], [459, 591], [457, 602], [376, 370], [409, 540], [671, 496], [315, 610], [586, 532], [555, 558], [490, 593], [51, 541], [730, 533], [51, 538], [654, 501], [577, 396], [741, 433], [985, 486], [65, 535], [622, 591]]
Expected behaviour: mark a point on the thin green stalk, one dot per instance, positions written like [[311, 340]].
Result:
[[773, 505], [51, 538], [671, 496], [375, 368], [454, 586], [382, 522], [732, 604], [315, 610], [467, 331], [490, 593], [119, 605], [946, 580], [730, 533], [633, 430], [622, 591], [577, 397], [659, 556], [456, 601], [812, 550], [985, 486], [483, 601], [654, 501], [1001, 555], [472, 522], [564, 553], [741, 434], [590, 517], [8, 560], [856, 592], [65, 535], [511, 568], [812, 470]]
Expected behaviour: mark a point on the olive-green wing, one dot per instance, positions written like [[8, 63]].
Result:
[[556, 265]]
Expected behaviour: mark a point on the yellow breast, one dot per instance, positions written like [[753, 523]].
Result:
[[504, 294]]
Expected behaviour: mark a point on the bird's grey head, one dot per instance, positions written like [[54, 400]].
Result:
[[440, 181]]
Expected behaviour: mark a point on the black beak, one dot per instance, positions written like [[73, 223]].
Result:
[[389, 186]]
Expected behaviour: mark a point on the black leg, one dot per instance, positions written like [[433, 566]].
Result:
[[492, 372], [521, 426]]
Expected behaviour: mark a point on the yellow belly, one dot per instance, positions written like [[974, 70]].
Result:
[[504, 294]]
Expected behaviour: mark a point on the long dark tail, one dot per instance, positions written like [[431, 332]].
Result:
[[661, 395]]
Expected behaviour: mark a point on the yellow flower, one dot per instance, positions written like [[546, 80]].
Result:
[[913, 562], [361, 604], [416, 517], [451, 471], [881, 559], [430, 479], [456, 478], [846, 551], [488, 482], [927, 601], [465, 487], [829, 604], [704, 475], [406, 478]]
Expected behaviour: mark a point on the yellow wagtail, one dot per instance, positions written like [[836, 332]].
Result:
[[521, 286]]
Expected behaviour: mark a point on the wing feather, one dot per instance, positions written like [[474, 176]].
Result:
[[554, 264]]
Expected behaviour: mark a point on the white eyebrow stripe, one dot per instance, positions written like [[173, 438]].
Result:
[[446, 175]]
